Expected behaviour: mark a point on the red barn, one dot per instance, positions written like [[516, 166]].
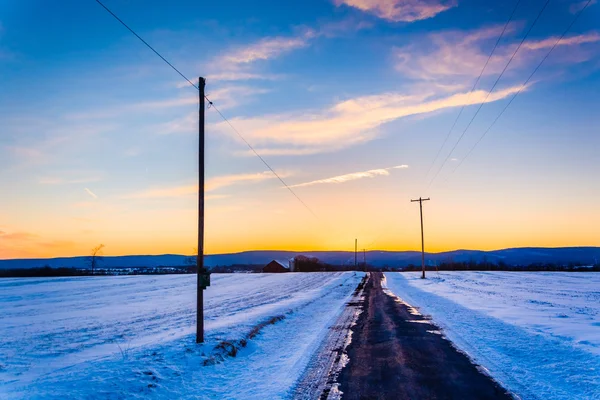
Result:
[[275, 266]]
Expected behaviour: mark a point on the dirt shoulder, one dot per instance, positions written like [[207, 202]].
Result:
[[396, 354]]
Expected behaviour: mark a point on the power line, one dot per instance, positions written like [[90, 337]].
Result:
[[490, 92], [474, 86], [524, 84], [264, 162], [213, 106], [146, 43]]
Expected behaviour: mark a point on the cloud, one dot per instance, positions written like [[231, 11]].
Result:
[[352, 177], [211, 184], [43, 142], [240, 62], [17, 236], [49, 180], [231, 96], [346, 123], [239, 76], [174, 191], [30, 154], [228, 180], [88, 191], [264, 49], [576, 7], [142, 107], [61, 244], [400, 10], [446, 56], [26, 244], [547, 43]]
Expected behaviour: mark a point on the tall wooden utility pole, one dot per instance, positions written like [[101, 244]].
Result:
[[420, 200], [203, 278]]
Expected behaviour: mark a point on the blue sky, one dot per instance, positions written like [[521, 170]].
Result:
[[98, 136]]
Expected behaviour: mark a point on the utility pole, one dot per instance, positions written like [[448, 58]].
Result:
[[355, 254], [203, 278], [365, 258], [420, 200]]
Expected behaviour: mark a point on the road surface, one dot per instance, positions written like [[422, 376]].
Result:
[[396, 354]]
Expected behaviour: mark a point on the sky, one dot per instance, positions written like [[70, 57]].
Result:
[[349, 101]]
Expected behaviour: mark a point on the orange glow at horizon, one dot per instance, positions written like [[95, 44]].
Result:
[[277, 222]]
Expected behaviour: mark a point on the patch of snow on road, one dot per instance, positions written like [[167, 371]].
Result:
[[133, 336], [537, 333]]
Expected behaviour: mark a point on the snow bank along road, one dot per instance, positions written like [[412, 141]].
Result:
[[133, 336], [538, 333], [396, 354]]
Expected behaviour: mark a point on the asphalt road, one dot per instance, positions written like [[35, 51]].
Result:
[[394, 357]]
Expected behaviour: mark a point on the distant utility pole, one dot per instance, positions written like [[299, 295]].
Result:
[[355, 254], [365, 258], [420, 200], [203, 278]]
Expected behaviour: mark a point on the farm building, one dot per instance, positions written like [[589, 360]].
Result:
[[275, 266]]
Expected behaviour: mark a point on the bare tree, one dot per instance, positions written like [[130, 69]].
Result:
[[95, 256], [191, 261]]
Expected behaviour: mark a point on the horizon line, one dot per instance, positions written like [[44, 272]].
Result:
[[307, 251]]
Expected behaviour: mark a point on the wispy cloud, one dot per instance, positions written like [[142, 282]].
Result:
[[445, 56], [228, 180], [264, 49], [346, 123], [353, 176], [88, 191], [591, 37], [17, 236], [212, 184], [231, 96], [239, 63], [53, 180], [138, 107], [240, 76], [27, 244], [400, 10], [576, 7]]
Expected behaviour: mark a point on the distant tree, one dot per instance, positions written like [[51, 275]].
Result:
[[192, 261], [95, 257], [308, 264]]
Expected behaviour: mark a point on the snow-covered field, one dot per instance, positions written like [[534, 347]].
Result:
[[537, 333], [133, 336]]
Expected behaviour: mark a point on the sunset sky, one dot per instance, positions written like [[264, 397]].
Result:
[[348, 100]]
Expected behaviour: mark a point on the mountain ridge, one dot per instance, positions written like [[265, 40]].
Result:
[[522, 256]]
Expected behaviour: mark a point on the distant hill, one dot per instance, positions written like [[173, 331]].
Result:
[[514, 257]]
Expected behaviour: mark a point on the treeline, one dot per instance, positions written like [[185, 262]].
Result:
[[228, 269], [302, 264], [42, 272], [48, 272], [501, 266]]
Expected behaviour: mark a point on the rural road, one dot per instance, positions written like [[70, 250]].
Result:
[[396, 354]]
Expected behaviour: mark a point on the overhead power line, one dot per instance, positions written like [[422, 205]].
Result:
[[146, 43], [489, 92], [524, 83], [212, 106], [474, 86], [264, 162]]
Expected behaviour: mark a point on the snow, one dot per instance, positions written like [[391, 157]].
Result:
[[133, 336], [537, 333]]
